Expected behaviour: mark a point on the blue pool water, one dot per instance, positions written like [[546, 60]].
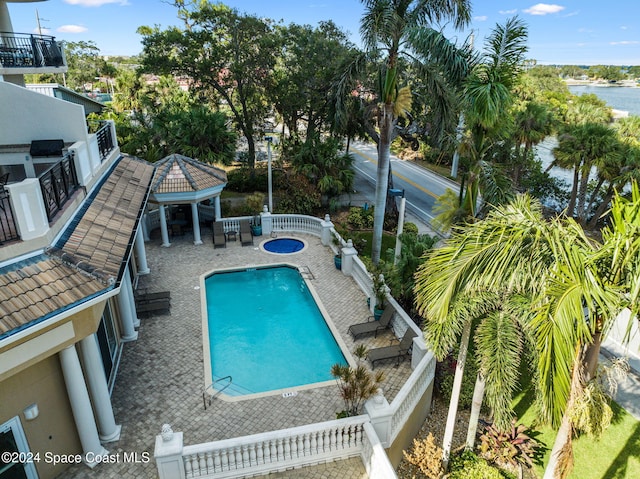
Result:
[[266, 331], [283, 245]]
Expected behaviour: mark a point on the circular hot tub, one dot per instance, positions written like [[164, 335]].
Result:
[[283, 245]]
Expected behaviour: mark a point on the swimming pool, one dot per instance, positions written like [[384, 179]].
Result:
[[264, 328], [283, 245]]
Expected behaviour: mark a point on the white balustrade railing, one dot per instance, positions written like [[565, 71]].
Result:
[[276, 450], [297, 224]]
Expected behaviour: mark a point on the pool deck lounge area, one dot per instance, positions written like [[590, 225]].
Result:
[[161, 375]]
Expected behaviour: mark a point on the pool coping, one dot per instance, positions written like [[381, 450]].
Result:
[[285, 392]]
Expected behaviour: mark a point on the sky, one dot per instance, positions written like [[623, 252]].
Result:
[[576, 32]]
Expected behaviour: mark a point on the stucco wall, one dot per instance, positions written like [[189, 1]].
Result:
[[405, 438], [27, 116], [53, 430]]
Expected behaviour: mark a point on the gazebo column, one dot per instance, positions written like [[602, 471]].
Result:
[[216, 203], [141, 254], [196, 224], [163, 227]]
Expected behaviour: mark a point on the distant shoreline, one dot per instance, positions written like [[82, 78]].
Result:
[[601, 83]]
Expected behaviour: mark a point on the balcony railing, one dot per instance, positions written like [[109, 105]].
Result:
[[105, 140], [8, 230], [58, 183], [23, 50]]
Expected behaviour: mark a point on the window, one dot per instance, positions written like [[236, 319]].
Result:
[[13, 440], [108, 343]]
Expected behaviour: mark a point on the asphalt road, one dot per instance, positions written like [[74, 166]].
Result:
[[422, 187]]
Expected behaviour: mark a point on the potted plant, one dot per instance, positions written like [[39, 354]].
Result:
[[337, 261], [380, 292], [256, 226], [356, 384], [254, 203]]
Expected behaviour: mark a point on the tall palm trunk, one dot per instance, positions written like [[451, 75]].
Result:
[[455, 395], [476, 405], [574, 192], [561, 460], [382, 178], [582, 193]]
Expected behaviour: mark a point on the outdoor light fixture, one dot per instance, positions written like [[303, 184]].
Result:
[[31, 412]]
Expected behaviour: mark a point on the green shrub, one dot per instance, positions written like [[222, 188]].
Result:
[[445, 373], [469, 466], [245, 180], [360, 218], [508, 448], [410, 229]]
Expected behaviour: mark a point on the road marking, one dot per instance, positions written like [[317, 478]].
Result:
[[402, 177]]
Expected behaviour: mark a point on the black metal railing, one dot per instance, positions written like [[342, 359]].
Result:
[[105, 141], [8, 230], [20, 50], [58, 183]]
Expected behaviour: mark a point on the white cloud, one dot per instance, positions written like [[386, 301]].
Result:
[[72, 29], [95, 3], [481, 18], [585, 30], [623, 27], [625, 42], [508, 12], [543, 9]]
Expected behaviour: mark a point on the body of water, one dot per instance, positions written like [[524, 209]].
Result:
[[618, 97]]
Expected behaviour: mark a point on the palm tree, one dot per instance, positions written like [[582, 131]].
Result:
[[575, 288], [391, 30], [487, 96], [580, 148], [533, 123]]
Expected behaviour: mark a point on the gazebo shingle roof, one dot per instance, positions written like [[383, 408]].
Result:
[[179, 174]]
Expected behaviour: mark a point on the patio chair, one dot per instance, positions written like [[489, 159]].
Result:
[[219, 239], [246, 238], [396, 351], [373, 326]]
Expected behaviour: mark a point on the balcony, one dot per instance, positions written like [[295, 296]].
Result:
[[22, 53], [35, 202]]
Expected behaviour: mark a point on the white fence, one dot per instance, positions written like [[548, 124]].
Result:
[[275, 451], [365, 436]]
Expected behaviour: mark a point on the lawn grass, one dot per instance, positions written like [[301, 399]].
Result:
[[363, 240], [616, 455]]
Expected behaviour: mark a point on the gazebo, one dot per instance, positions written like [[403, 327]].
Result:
[[179, 180]]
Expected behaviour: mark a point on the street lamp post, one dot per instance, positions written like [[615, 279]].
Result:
[[403, 200], [269, 179]]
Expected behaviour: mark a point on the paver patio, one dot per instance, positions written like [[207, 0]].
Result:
[[161, 375]]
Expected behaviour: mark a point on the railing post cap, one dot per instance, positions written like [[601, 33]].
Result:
[[327, 217], [172, 447]]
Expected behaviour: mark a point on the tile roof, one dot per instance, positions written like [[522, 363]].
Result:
[[88, 258], [179, 174]]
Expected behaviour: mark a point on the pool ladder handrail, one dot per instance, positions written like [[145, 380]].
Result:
[[217, 391]]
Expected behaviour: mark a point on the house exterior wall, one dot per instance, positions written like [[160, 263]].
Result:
[[25, 106], [53, 431], [411, 428], [31, 349]]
